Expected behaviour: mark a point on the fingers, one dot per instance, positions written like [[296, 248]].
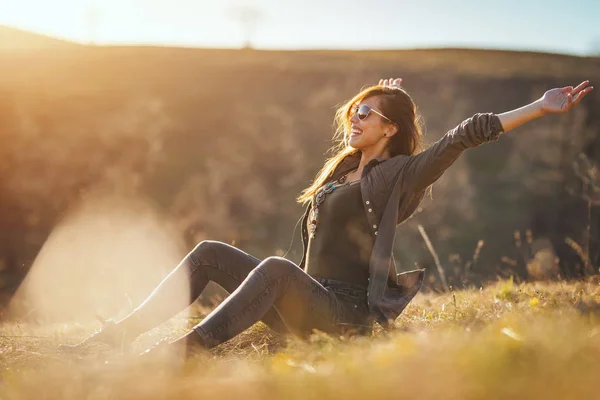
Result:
[[391, 82], [575, 95], [580, 87], [581, 94]]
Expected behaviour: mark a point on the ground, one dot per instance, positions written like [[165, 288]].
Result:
[[531, 340]]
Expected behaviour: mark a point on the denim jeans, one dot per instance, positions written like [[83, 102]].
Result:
[[275, 291]]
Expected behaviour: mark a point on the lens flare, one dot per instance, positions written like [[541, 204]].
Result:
[[102, 260]]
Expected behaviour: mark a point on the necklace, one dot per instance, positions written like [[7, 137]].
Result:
[[320, 198]]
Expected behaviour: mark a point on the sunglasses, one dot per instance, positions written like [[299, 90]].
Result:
[[363, 112]]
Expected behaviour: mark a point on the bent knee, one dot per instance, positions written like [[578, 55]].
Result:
[[205, 251], [275, 267]]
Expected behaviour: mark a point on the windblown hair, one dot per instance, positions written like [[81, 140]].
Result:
[[395, 104]]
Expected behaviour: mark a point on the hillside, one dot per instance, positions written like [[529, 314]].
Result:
[[216, 144], [13, 39]]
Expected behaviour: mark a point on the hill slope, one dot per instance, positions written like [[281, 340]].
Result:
[[14, 39], [220, 142]]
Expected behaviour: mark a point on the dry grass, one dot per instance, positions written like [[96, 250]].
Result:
[[535, 340]]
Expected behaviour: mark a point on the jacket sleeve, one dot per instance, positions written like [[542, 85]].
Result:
[[425, 168]]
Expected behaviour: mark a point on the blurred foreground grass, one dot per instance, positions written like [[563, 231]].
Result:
[[535, 340]]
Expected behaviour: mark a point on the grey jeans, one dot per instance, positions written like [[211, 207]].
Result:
[[275, 291]]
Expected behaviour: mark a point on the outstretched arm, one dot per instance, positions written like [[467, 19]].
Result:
[[554, 101], [421, 170]]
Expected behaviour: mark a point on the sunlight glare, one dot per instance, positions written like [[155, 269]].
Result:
[[102, 260], [120, 22]]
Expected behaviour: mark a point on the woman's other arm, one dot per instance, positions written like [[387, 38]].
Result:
[[425, 168]]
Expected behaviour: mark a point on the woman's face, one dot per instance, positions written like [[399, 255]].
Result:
[[368, 132]]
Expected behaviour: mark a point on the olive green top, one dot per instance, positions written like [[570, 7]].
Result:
[[342, 245]]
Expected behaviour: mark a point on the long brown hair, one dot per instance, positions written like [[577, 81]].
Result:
[[395, 104]]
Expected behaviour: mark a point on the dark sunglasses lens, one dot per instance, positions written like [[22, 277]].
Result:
[[363, 112]]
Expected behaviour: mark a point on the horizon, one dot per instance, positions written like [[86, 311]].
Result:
[[510, 26], [304, 49]]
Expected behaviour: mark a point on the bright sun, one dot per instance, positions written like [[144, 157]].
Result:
[[68, 19], [124, 21]]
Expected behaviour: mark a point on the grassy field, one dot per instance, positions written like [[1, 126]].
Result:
[[534, 340]]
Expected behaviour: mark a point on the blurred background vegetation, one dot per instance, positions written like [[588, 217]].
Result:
[[220, 143]]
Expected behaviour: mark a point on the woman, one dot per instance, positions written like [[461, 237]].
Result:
[[347, 278]]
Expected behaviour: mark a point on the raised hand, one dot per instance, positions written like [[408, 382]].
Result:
[[393, 83], [560, 100]]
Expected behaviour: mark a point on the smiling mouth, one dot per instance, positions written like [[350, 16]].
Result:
[[355, 132]]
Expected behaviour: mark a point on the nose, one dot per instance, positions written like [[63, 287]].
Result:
[[354, 118]]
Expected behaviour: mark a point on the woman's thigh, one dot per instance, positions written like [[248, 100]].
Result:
[[303, 303]]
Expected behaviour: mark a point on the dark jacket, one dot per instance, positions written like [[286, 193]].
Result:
[[392, 189]]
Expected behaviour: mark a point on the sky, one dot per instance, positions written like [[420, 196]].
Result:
[[558, 26]]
